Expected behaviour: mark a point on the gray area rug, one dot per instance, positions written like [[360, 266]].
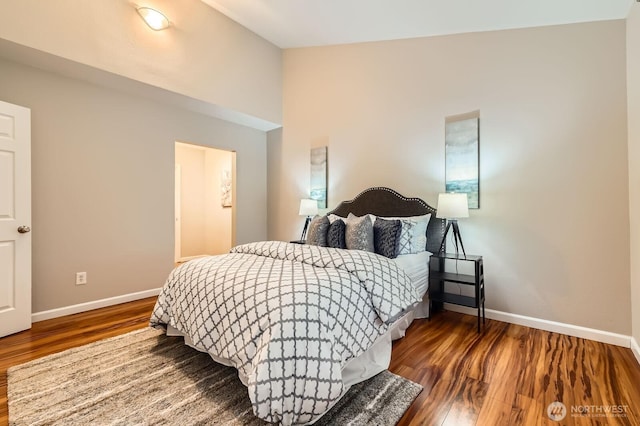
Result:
[[144, 377]]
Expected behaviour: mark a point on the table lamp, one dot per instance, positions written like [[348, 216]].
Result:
[[452, 206], [308, 208]]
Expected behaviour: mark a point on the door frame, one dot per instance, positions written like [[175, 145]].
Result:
[[178, 197]]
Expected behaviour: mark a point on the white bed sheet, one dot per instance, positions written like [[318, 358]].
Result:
[[417, 267]]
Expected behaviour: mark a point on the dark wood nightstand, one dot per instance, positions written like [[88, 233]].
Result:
[[438, 276]]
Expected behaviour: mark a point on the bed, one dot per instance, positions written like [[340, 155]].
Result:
[[303, 323]]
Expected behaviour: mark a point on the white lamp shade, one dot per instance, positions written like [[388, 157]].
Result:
[[154, 18], [308, 207], [452, 206]]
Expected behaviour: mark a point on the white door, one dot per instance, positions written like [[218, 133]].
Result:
[[15, 218]]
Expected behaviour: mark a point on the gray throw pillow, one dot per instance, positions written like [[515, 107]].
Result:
[[335, 236], [359, 233], [386, 237], [317, 233]]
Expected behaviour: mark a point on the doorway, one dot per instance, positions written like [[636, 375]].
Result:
[[205, 201]]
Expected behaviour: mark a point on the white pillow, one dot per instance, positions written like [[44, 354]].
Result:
[[333, 217]]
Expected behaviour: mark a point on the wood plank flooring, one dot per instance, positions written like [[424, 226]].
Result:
[[505, 376], [509, 374]]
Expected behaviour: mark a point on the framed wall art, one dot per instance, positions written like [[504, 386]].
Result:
[[225, 188], [319, 176], [462, 156]]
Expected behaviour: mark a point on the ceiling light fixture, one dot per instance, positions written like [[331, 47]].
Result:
[[153, 18]]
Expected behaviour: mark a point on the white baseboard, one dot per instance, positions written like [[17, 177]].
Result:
[[88, 306], [556, 327], [635, 348]]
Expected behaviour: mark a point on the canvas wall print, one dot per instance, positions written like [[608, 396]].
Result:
[[462, 156], [319, 176], [225, 188]]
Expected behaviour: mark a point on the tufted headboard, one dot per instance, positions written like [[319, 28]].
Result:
[[381, 201]]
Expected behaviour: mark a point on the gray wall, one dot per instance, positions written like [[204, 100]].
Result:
[[553, 224], [633, 99], [103, 178]]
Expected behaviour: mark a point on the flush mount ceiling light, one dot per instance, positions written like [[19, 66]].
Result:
[[153, 18]]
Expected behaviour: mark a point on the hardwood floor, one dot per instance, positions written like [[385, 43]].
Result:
[[509, 374], [505, 376]]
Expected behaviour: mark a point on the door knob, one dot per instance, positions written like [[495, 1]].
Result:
[[24, 229]]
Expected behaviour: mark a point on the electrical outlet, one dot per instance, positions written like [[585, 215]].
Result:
[[81, 278]]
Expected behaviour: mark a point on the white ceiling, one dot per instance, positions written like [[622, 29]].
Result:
[[301, 23]]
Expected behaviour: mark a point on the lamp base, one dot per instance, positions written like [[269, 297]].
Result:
[[457, 238], [303, 237]]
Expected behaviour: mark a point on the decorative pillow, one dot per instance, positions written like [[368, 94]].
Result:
[[386, 237], [415, 228], [317, 233], [359, 233], [335, 236], [419, 240], [405, 245]]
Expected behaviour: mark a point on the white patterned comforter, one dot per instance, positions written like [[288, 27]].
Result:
[[287, 316]]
